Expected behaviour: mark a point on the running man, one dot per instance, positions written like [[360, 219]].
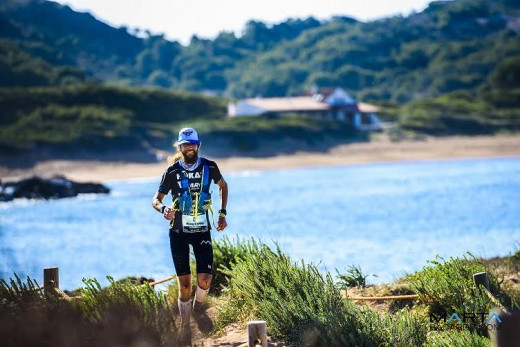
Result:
[[188, 178]]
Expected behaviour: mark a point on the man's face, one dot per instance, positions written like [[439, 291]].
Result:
[[189, 151]]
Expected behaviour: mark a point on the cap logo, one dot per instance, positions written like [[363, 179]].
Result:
[[188, 133]]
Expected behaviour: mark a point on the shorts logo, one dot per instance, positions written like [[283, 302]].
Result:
[[188, 133], [209, 266], [205, 242]]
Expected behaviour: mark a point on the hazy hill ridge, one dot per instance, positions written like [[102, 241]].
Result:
[[449, 46], [68, 78]]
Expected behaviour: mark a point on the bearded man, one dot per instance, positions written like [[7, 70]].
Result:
[[188, 178]]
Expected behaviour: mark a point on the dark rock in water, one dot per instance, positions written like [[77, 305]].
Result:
[[56, 187]]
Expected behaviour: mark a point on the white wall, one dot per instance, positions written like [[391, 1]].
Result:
[[243, 108]]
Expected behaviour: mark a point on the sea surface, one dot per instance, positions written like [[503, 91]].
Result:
[[389, 219]]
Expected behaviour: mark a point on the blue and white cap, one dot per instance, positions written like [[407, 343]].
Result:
[[188, 135]]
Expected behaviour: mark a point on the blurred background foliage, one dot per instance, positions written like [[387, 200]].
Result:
[[453, 68]]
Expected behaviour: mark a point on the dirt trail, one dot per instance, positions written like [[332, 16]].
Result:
[[234, 335]]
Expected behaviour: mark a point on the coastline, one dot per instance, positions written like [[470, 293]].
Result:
[[376, 151]]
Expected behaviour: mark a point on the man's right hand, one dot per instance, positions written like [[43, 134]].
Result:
[[168, 213]]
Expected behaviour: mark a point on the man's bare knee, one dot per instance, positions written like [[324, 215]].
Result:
[[204, 280], [184, 286]]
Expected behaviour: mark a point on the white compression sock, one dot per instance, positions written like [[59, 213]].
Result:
[[185, 311], [200, 294]]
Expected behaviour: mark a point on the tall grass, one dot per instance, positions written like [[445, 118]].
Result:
[[145, 311], [301, 305], [461, 338], [446, 287], [121, 314], [354, 277], [17, 294], [304, 307], [226, 253]]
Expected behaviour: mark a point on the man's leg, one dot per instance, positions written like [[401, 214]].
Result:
[[203, 283], [184, 300], [181, 259], [203, 250]]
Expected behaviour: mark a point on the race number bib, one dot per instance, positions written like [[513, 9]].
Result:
[[192, 224]]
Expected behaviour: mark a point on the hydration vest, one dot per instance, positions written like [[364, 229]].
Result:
[[194, 203]]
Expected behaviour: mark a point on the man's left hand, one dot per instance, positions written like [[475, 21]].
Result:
[[221, 223]]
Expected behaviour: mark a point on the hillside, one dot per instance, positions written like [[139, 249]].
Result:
[[61, 36], [97, 116], [452, 45], [68, 78]]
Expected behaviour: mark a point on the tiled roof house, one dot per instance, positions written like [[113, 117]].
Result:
[[323, 103]]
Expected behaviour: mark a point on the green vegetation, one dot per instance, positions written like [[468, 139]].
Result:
[[447, 287], [451, 69], [254, 281], [456, 338], [19, 68], [119, 314], [95, 113], [141, 306], [57, 124], [354, 277], [301, 305], [146, 104], [266, 280], [249, 133], [449, 46], [460, 113], [226, 253]]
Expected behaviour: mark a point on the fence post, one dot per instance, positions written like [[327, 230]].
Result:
[[51, 279], [256, 331], [481, 278]]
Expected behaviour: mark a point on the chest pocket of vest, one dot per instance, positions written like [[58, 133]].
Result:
[[194, 205]]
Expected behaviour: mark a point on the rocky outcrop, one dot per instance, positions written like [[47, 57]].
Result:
[[56, 187]]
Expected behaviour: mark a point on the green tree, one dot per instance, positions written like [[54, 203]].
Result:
[[507, 74]]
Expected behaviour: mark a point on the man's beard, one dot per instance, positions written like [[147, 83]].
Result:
[[189, 157]]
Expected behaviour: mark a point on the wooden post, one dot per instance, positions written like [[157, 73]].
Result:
[[481, 278], [256, 332], [51, 279]]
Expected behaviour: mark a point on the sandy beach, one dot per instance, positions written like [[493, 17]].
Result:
[[380, 150]]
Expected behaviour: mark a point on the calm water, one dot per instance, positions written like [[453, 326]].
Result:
[[387, 218]]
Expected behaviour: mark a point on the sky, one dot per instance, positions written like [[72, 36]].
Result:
[[179, 20]]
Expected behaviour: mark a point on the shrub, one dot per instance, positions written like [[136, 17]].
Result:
[[447, 287], [58, 124], [405, 327], [354, 277], [226, 253], [456, 338], [121, 314], [304, 307], [17, 294], [145, 311]]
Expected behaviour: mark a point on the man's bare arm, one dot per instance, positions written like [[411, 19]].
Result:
[[223, 193], [158, 205]]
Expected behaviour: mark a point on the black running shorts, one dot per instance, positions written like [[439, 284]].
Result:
[[202, 248]]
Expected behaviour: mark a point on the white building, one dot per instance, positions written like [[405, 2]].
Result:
[[323, 103]]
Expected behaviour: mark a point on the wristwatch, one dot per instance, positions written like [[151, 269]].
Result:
[[222, 212], [163, 208]]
